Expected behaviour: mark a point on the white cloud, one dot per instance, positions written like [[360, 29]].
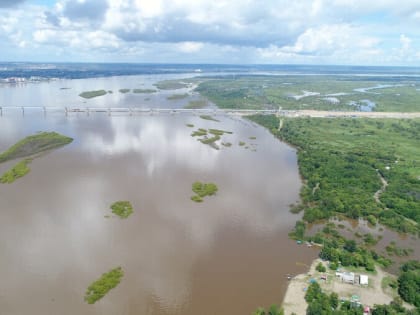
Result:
[[318, 31], [190, 47], [342, 42]]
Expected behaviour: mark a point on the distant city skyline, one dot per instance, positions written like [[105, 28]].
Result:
[[326, 32]]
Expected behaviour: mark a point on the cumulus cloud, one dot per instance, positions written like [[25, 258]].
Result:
[[10, 3], [218, 31], [342, 42], [85, 9]]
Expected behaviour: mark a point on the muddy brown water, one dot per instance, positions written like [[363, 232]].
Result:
[[228, 255]]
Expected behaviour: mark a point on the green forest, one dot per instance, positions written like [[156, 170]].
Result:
[[342, 161]]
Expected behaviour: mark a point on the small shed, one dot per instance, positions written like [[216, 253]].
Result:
[[347, 277], [364, 280]]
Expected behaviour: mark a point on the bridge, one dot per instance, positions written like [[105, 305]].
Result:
[[206, 111]]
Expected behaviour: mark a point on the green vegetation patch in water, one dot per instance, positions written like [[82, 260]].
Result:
[[202, 190], [123, 209], [103, 285], [124, 91], [199, 133], [139, 91], [208, 117], [92, 94], [189, 125], [171, 85], [175, 97], [17, 171], [205, 139], [197, 104], [35, 144]]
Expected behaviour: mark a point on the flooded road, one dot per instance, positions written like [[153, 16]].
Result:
[[227, 255]]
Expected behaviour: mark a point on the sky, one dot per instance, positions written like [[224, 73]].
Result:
[[340, 32]]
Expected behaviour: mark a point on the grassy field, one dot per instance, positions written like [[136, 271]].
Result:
[[336, 93], [341, 160], [92, 94]]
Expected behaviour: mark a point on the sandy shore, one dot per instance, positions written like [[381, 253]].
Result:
[[294, 299]]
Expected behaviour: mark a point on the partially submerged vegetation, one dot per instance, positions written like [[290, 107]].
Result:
[[171, 85], [203, 136], [103, 285], [92, 94], [35, 144], [144, 91], [17, 171], [208, 117], [28, 148], [175, 97], [340, 158], [342, 93], [123, 209], [124, 91], [196, 104], [202, 190]]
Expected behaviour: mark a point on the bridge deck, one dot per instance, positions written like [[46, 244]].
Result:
[[214, 111]]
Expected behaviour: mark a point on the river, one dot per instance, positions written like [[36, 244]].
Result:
[[227, 255]]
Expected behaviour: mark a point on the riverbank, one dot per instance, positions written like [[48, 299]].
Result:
[[367, 295]]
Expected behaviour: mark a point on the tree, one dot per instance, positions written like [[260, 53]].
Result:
[[350, 246], [259, 311], [320, 267]]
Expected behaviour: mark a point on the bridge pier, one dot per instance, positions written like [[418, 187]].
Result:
[[1, 111], [23, 111]]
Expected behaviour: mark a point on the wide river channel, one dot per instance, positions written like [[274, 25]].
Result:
[[227, 255]]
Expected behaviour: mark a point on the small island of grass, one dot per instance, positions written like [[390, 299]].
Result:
[[205, 139], [175, 97], [143, 91], [123, 209], [189, 125], [34, 144], [124, 91], [197, 104], [17, 171], [202, 190], [171, 85], [208, 117], [92, 94], [103, 285]]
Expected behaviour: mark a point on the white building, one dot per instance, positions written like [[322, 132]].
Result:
[[347, 277], [364, 280]]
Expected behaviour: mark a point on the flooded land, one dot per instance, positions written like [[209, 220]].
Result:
[[225, 255], [65, 249]]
